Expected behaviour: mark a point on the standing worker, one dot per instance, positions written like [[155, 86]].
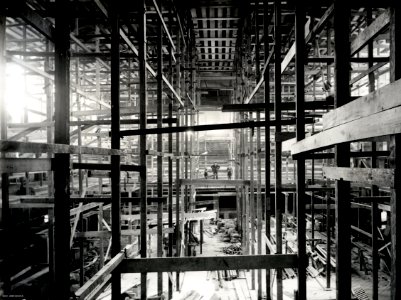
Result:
[[205, 174], [215, 170], [229, 172]]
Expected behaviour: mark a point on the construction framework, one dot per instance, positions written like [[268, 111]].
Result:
[[316, 131]]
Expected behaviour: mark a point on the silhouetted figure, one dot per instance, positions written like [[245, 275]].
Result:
[[215, 170], [229, 172], [205, 174]]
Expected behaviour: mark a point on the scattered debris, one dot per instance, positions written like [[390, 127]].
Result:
[[234, 249], [360, 293]]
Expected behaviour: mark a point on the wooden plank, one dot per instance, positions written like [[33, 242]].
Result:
[[126, 232], [74, 227], [28, 147], [373, 198], [187, 264], [124, 121], [379, 124], [197, 128], [319, 206], [207, 215], [214, 182], [269, 244], [374, 29], [100, 276], [33, 18], [19, 165], [291, 52], [96, 166], [382, 177], [290, 106], [369, 235], [32, 199], [383, 99], [367, 72], [83, 208]]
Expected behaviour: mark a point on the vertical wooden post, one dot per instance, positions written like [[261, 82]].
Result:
[[395, 74], [300, 134], [375, 246], [267, 139], [115, 144], [51, 246], [177, 166], [328, 210], [81, 252], [312, 212], [201, 236], [342, 201], [246, 195], [101, 243], [278, 158], [252, 198], [62, 136], [49, 115], [375, 190], [142, 138], [160, 243], [159, 55], [97, 72], [259, 213], [328, 241], [170, 159]]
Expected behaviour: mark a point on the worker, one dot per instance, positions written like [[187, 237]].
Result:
[[215, 170], [205, 174], [229, 172]]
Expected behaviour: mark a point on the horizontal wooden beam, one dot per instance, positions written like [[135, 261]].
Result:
[[127, 232], [198, 128], [214, 182], [188, 264], [309, 105], [329, 155], [376, 125], [21, 165], [373, 198], [319, 206], [284, 136], [122, 122], [381, 177], [384, 98], [28, 147], [107, 167], [374, 115], [362, 154], [330, 59], [85, 200]]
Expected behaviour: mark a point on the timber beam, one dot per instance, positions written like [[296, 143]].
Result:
[[187, 264]]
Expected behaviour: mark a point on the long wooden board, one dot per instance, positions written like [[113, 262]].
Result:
[[184, 264]]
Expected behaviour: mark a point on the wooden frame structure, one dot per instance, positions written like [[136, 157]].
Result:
[[131, 80]]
